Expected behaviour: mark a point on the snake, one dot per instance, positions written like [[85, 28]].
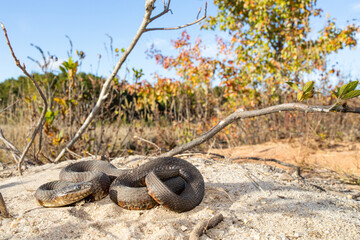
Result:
[[172, 182]]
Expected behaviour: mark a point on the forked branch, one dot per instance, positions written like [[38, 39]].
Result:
[[166, 9], [240, 113], [42, 117], [149, 7]]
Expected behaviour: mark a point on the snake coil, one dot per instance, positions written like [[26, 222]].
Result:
[[171, 182]]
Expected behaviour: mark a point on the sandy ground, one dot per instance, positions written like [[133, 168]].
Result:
[[342, 158], [257, 201]]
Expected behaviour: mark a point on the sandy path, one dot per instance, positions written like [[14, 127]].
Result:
[[277, 208]]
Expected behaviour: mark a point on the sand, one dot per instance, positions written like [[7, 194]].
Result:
[[257, 201]]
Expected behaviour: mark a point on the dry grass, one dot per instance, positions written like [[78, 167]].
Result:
[[119, 139]]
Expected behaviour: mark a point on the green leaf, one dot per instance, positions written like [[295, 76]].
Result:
[[346, 88], [308, 87], [351, 94], [351, 86], [293, 86], [342, 90]]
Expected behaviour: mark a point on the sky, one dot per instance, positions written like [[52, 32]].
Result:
[[90, 23]]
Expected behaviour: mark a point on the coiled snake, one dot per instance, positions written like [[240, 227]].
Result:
[[172, 182]]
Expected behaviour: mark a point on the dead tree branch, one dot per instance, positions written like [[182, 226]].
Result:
[[42, 117], [240, 114], [149, 7]]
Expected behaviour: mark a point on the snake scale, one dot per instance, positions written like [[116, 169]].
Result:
[[171, 182]]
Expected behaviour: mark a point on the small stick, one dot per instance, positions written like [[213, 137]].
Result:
[[202, 226], [4, 211], [147, 141]]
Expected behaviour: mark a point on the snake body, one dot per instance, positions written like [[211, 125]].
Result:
[[172, 182]]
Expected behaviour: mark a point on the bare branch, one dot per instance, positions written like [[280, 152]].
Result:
[[240, 114], [182, 26], [149, 7], [166, 10], [42, 117]]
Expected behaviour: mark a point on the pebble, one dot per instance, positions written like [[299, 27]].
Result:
[[183, 228]]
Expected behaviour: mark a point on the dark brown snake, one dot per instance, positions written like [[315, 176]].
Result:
[[171, 182]]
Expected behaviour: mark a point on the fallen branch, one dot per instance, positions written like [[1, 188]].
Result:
[[147, 19], [203, 226], [241, 114], [42, 117]]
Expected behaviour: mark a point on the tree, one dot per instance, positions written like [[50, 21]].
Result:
[[270, 43]]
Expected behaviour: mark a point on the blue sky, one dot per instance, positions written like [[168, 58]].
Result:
[[45, 23]]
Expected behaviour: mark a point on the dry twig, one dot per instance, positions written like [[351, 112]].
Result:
[[147, 141], [3, 209], [41, 119], [203, 226]]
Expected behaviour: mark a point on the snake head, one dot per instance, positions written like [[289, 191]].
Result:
[[73, 193], [62, 193]]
